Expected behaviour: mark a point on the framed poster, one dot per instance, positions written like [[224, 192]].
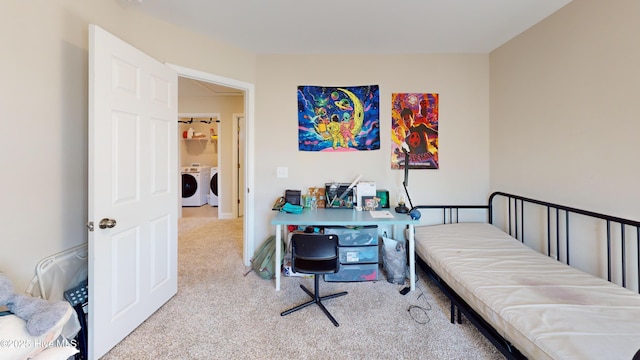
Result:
[[370, 203], [414, 128], [335, 119]]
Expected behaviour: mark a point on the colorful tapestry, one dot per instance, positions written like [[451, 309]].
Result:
[[414, 127], [338, 118]]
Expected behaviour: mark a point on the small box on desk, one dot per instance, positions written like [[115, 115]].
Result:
[[383, 195], [365, 188], [333, 191], [317, 194], [292, 196]]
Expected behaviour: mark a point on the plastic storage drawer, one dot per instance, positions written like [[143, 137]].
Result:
[[350, 273], [354, 236], [358, 254]]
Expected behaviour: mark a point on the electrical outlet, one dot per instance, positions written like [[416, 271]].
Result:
[[282, 172]]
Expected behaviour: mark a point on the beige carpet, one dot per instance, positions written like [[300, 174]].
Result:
[[219, 313]]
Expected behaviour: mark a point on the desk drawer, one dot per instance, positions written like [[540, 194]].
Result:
[[358, 254], [351, 273], [354, 236]]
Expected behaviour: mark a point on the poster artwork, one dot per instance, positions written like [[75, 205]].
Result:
[[336, 119], [414, 126]]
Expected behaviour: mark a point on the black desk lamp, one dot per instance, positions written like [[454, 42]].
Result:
[[402, 208]]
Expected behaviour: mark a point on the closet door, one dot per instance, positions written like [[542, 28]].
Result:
[[133, 188]]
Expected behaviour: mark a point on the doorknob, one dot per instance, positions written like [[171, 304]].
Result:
[[107, 223]]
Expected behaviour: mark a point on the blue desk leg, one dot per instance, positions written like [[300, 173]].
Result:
[[278, 254], [412, 259]]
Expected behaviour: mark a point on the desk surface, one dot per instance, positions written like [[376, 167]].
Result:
[[340, 217]]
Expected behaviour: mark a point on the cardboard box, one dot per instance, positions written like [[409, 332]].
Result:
[[317, 193]]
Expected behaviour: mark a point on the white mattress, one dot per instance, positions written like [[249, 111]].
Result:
[[546, 309]]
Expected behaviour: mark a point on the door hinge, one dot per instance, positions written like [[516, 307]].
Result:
[[90, 225]]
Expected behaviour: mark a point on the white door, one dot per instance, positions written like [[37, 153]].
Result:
[[133, 191]]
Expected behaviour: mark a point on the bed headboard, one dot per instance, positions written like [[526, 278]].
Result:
[[604, 245]]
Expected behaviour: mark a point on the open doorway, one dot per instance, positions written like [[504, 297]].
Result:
[[199, 153], [238, 182], [209, 148]]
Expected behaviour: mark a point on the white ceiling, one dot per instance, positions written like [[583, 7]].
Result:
[[349, 26], [194, 88], [355, 26]]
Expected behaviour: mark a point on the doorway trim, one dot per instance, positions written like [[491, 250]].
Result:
[[239, 125], [249, 106]]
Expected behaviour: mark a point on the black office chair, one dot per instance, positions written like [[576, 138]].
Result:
[[315, 254]]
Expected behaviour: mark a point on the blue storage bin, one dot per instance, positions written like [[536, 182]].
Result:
[[354, 236], [351, 273], [358, 254]]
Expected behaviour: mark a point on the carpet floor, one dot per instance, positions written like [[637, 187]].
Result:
[[219, 313]]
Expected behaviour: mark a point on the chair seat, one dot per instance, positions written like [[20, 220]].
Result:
[[315, 266]]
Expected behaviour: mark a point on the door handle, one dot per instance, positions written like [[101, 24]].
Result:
[[107, 223]]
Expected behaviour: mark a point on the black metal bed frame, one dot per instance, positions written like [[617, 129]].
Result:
[[558, 229]]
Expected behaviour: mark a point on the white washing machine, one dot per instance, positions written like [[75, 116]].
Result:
[[213, 187], [195, 188]]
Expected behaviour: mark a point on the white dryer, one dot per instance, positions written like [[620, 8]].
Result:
[[213, 187], [195, 189]]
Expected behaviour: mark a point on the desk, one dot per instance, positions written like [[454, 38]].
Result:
[[341, 217]]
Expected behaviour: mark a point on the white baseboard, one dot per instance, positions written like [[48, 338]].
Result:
[[225, 215]]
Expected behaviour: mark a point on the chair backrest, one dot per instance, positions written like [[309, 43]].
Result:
[[314, 253]]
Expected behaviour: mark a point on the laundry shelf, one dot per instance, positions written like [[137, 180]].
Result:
[[200, 140]]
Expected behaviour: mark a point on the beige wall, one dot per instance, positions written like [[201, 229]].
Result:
[[43, 112], [462, 82], [564, 113], [565, 120]]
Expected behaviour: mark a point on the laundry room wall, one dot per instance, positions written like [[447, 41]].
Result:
[[202, 150], [206, 152]]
